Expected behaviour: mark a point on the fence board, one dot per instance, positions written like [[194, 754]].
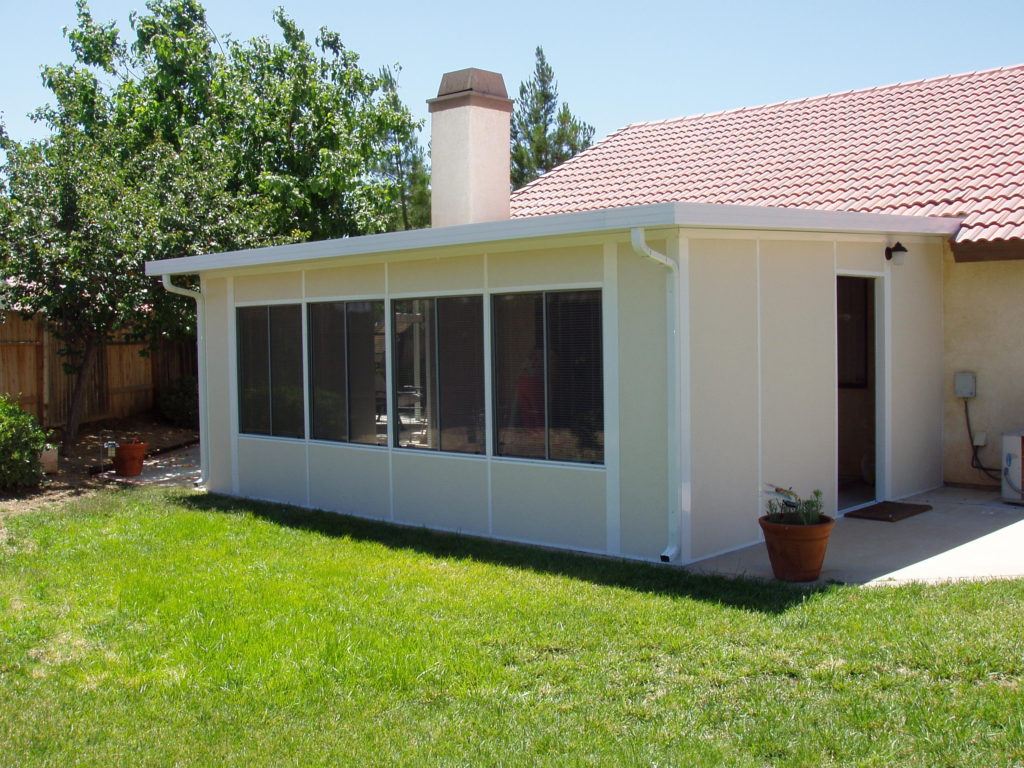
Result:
[[124, 382]]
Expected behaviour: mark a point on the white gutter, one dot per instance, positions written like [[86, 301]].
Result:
[[638, 240], [170, 287], [691, 215]]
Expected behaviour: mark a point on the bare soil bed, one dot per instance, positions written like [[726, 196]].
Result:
[[74, 477]]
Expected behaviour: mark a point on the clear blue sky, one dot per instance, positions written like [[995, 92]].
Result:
[[616, 62]]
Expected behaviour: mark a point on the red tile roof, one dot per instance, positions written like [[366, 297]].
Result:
[[948, 146]]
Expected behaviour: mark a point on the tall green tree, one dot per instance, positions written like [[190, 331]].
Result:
[[545, 133], [173, 142]]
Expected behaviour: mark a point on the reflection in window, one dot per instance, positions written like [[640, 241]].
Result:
[[548, 376], [270, 397], [346, 372], [439, 373]]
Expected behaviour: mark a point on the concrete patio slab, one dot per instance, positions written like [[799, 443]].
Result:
[[173, 468], [967, 535]]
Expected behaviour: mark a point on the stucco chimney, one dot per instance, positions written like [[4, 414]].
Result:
[[469, 149]]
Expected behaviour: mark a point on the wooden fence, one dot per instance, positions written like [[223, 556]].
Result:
[[124, 382]]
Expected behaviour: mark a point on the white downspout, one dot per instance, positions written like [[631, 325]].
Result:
[[638, 240], [197, 296]]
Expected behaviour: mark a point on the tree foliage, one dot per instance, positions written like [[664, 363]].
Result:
[[172, 142], [544, 133]]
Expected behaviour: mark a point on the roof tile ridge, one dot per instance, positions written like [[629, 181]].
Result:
[[823, 96]]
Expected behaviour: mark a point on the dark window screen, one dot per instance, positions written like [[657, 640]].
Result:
[[460, 357], [252, 331], [549, 376], [415, 373], [270, 397], [287, 417], [328, 395], [439, 373], [518, 352], [575, 376], [367, 398], [346, 372]]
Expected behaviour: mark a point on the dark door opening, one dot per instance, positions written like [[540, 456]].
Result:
[[856, 398]]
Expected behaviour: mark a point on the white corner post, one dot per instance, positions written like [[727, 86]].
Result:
[[677, 390], [197, 296]]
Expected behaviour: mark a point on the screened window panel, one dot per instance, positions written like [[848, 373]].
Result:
[[328, 395], [287, 417], [575, 376], [518, 359], [252, 331], [367, 390], [415, 374], [460, 358]]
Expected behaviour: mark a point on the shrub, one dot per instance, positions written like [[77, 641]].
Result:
[[21, 440], [179, 402]]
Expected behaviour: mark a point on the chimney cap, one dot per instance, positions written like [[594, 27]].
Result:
[[471, 86]]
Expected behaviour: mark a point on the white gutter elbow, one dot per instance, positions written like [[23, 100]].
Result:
[[197, 296], [172, 288], [638, 239]]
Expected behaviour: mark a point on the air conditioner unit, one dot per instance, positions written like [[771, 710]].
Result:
[[1013, 467]]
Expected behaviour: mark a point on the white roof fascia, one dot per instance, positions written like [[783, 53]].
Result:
[[696, 215]]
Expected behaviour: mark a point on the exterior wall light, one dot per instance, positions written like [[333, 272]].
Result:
[[894, 253]]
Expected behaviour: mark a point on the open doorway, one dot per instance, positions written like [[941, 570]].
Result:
[[857, 395]]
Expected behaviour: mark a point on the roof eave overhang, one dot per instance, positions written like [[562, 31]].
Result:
[[690, 215]]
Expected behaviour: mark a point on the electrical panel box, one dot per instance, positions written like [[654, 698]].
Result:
[[1013, 468], [965, 384]]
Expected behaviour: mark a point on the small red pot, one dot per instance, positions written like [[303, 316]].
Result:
[[128, 459], [797, 552]]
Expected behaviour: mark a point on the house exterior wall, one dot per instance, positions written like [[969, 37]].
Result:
[[917, 370], [724, 416], [548, 503], [761, 376], [983, 317], [643, 425], [219, 427]]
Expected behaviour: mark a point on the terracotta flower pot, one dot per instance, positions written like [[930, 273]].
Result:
[[797, 552], [128, 459]]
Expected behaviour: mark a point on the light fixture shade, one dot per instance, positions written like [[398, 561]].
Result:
[[894, 253]]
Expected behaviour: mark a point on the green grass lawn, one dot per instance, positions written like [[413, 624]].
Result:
[[166, 628]]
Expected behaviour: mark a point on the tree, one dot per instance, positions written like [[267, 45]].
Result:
[[544, 133], [179, 143], [406, 165]]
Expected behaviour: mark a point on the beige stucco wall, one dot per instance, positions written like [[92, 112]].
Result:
[[275, 286], [349, 478], [437, 491], [983, 318], [555, 504], [798, 378], [272, 469], [547, 266], [330, 282], [643, 421], [917, 370], [772, 300], [217, 434], [723, 363]]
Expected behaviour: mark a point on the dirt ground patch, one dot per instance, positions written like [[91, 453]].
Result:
[[74, 478]]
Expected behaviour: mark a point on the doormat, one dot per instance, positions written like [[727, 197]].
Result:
[[889, 511]]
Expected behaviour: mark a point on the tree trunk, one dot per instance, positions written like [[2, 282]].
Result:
[[77, 403]]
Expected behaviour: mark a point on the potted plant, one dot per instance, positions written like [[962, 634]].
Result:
[[796, 533], [128, 458]]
